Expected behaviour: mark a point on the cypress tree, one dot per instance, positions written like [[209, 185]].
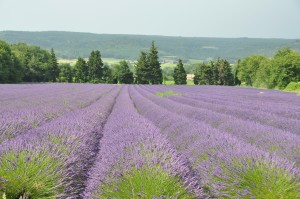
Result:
[[125, 76], [81, 71], [155, 76], [228, 75], [95, 66], [199, 75], [53, 66], [142, 69], [179, 73]]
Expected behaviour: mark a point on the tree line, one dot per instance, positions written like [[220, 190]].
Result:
[[275, 72], [218, 72], [24, 63]]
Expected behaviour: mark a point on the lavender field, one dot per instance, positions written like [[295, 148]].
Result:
[[140, 141]]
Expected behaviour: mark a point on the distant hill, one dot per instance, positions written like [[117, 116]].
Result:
[[70, 45]]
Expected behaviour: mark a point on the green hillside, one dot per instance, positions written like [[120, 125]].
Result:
[[70, 45]]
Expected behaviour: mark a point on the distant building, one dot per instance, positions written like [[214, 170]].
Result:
[[190, 76]]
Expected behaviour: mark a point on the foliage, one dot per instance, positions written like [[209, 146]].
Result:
[[107, 75], [10, 68], [142, 69], [95, 66], [147, 68], [53, 69], [277, 72], [168, 93], [179, 73], [293, 86], [146, 182], [30, 175], [34, 61], [81, 71], [285, 68], [250, 70], [125, 76], [66, 73], [155, 73], [214, 73], [259, 179]]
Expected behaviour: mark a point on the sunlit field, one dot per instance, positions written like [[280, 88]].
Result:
[[143, 141]]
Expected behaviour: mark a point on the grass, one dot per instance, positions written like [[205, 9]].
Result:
[[262, 180], [167, 93], [72, 62], [29, 175], [145, 182], [171, 82], [293, 87]]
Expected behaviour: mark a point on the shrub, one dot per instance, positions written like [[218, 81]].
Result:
[[293, 86]]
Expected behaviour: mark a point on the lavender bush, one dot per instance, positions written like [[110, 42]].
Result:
[[135, 141], [213, 153], [25, 107], [69, 141], [132, 150]]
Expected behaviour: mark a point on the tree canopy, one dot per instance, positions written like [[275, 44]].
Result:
[[214, 73], [276, 72], [179, 73], [148, 69]]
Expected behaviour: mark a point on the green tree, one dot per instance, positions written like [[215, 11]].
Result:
[[34, 61], [235, 70], [285, 68], [10, 68], [214, 71], [95, 65], [66, 73], [142, 69], [81, 71], [225, 73], [248, 68], [125, 76], [53, 67], [179, 73], [115, 73], [155, 76], [107, 75], [199, 75]]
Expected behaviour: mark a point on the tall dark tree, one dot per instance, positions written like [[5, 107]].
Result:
[[225, 73], [66, 73], [95, 65], [125, 76], [53, 67], [142, 69], [81, 71], [179, 73], [155, 68], [214, 73], [107, 75], [199, 75]]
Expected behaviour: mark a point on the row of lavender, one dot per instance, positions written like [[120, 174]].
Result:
[[233, 156], [51, 160], [24, 107], [236, 122], [130, 143], [136, 161]]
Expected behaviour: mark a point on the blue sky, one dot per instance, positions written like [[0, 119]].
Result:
[[190, 18]]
